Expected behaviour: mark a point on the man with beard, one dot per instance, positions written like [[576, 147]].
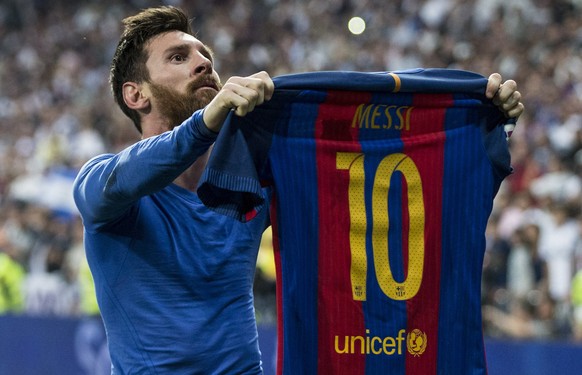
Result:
[[174, 279]]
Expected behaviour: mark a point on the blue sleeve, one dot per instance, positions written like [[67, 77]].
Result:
[[495, 141], [109, 184], [238, 168]]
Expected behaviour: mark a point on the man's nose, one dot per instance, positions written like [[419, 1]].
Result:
[[202, 66]]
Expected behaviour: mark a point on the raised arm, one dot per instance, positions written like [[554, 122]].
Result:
[[109, 184]]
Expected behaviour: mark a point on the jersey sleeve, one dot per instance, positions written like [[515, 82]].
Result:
[[237, 172], [109, 184]]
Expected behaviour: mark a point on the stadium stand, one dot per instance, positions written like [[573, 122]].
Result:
[[56, 112]]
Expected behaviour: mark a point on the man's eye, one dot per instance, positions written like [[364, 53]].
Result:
[[178, 58]]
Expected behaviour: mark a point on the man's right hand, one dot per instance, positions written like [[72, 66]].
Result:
[[239, 94]]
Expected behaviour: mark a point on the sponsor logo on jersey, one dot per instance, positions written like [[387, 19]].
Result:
[[416, 342]]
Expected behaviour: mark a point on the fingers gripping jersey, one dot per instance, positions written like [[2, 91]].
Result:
[[383, 186]]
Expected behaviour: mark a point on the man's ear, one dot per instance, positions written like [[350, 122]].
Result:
[[134, 96]]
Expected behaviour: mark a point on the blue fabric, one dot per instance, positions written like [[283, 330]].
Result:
[[173, 279]]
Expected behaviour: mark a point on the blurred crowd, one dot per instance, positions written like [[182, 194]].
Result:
[[56, 111]]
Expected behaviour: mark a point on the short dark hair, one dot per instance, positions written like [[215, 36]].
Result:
[[129, 60]]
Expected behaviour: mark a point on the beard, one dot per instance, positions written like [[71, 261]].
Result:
[[176, 106]]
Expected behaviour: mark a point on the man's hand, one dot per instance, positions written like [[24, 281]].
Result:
[[505, 96], [240, 94]]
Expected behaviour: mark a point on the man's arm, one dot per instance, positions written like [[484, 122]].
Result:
[[108, 185]]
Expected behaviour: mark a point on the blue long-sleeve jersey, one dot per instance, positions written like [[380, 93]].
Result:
[[173, 279]]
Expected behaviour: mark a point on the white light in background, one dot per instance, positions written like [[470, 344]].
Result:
[[357, 25]]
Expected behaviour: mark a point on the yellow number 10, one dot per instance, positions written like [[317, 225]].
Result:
[[354, 163]]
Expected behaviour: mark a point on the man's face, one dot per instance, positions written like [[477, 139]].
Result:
[[182, 77]]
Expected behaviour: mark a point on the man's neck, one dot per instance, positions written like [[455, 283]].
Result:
[[189, 179], [155, 125]]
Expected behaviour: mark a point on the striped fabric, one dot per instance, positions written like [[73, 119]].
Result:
[[383, 184]]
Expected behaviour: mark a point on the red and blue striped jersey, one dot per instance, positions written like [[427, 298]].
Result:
[[382, 187]]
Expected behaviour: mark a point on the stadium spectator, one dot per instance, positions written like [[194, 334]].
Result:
[[11, 279], [577, 306], [526, 318], [526, 271]]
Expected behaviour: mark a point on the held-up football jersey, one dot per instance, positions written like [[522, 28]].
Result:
[[383, 183]]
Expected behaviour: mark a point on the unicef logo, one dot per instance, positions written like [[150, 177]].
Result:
[[416, 342]]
